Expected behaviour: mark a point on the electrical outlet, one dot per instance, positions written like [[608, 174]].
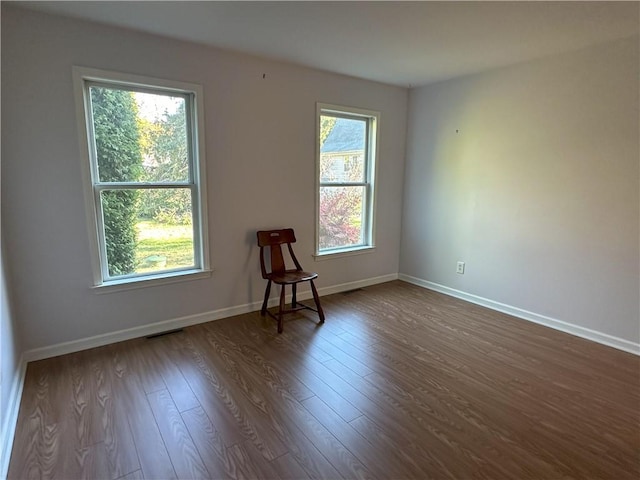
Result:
[[460, 268]]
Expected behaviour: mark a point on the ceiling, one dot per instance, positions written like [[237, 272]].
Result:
[[399, 43]]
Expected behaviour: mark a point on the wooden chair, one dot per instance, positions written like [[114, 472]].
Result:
[[274, 239]]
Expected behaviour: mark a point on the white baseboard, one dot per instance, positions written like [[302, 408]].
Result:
[[594, 335], [175, 323], [11, 419], [9, 426]]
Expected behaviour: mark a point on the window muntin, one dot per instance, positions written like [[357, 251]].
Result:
[[346, 145], [146, 171]]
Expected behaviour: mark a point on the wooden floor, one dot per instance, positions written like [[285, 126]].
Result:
[[400, 382]]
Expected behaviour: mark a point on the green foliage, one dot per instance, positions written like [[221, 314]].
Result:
[[120, 216], [166, 151], [117, 137], [119, 159], [326, 125], [170, 206]]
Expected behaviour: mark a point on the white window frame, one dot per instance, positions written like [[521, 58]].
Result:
[[371, 154], [83, 78]]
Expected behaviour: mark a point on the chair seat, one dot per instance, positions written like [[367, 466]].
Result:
[[291, 276]]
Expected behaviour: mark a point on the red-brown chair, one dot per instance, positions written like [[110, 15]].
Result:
[[274, 239]]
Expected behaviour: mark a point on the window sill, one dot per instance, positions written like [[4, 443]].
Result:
[[329, 255], [151, 281]]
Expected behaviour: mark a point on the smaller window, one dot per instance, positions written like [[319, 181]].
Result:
[[146, 175], [346, 153]]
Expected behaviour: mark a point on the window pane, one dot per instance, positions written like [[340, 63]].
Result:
[[163, 137], [116, 135], [342, 149], [341, 217], [148, 230], [140, 137]]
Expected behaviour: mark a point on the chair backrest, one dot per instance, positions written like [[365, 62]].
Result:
[[274, 239]]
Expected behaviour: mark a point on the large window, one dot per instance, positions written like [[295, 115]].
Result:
[[146, 175], [346, 151]]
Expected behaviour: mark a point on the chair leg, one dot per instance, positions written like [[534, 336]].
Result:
[[293, 297], [317, 300], [280, 314], [263, 312]]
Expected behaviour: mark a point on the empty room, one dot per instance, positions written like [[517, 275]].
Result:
[[288, 240]]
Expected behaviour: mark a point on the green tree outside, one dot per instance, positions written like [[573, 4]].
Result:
[[326, 125], [119, 159], [165, 145]]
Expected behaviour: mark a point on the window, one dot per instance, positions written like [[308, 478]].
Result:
[[346, 152], [145, 176]]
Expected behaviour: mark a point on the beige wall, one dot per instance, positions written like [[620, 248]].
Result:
[[529, 174], [260, 146]]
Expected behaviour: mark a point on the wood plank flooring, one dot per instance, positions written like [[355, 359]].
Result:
[[400, 382]]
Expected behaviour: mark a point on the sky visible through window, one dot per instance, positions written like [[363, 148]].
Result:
[[153, 107]]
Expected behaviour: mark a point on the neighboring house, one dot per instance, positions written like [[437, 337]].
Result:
[[341, 152]]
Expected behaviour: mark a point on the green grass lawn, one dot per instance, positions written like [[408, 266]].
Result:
[[158, 240]]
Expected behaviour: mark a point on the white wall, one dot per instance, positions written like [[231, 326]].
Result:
[[10, 371], [260, 144], [537, 192], [530, 175]]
